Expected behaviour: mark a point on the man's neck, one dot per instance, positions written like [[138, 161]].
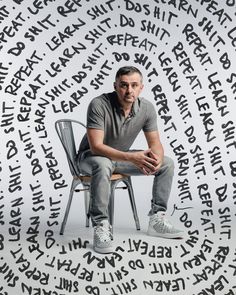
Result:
[[126, 109]]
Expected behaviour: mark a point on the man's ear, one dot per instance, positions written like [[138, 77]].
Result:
[[114, 85]]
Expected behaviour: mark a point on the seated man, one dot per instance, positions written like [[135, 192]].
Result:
[[113, 122]]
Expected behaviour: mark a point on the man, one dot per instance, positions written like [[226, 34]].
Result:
[[113, 122]]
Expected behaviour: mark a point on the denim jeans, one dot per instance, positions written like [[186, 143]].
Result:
[[101, 168]]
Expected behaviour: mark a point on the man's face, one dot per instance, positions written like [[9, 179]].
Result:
[[128, 88]]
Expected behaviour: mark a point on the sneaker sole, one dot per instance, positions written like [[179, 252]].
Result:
[[103, 250], [153, 233]]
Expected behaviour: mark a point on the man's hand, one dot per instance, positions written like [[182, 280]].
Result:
[[158, 160], [146, 160]]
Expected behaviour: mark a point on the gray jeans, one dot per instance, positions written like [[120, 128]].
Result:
[[101, 168]]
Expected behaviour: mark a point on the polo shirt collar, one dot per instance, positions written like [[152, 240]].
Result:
[[135, 106]]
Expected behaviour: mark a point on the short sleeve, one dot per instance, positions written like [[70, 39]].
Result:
[[151, 118], [95, 114]]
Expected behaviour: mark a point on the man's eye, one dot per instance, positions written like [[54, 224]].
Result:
[[125, 86]]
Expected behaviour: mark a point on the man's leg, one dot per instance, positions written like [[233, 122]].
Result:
[[159, 226], [161, 184], [101, 169]]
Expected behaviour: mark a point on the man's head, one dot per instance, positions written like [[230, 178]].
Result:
[[128, 84], [128, 70]]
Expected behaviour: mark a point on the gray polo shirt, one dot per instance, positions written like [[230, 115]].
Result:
[[104, 113]]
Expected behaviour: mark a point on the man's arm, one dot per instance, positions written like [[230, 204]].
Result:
[[154, 144], [97, 147], [141, 159]]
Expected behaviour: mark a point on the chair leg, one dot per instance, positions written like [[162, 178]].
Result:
[[87, 203], [128, 184], [74, 184], [111, 202], [132, 201]]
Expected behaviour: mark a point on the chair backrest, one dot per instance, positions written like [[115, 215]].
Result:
[[64, 128]]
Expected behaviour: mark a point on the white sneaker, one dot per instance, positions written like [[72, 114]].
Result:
[[159, 226], [102, 241]]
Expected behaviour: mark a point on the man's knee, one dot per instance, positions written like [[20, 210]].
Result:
[[102, 164], [169, 164]]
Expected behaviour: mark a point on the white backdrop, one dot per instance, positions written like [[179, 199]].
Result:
[[57, 55]]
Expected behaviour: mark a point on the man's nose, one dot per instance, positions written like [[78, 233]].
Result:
[[129, 88]]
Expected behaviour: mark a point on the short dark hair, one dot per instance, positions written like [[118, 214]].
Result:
[[127, 70]]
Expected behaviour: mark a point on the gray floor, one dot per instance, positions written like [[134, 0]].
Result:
[[44, 262]]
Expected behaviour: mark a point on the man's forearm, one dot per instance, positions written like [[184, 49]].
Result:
[[158, 150], [111, 153]]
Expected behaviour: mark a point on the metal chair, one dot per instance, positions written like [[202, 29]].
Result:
[[65, 130]]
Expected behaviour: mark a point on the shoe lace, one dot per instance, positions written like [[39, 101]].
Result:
[[162, 221], [103, 232]]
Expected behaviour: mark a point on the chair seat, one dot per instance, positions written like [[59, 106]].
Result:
[[86, 178]]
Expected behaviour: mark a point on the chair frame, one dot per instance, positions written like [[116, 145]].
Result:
[[65, 133]]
